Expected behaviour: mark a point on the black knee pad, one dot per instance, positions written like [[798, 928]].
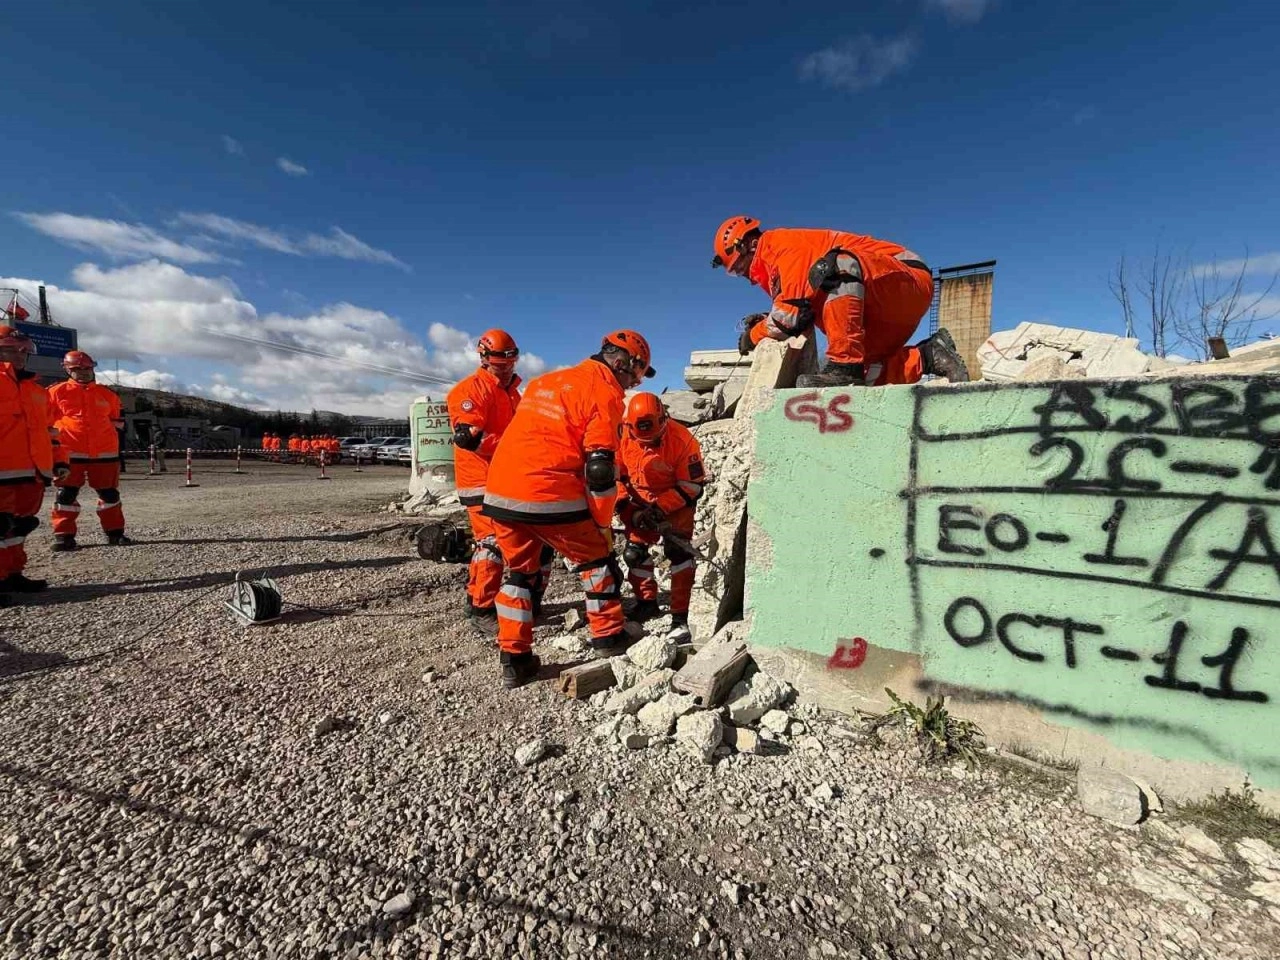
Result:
[[675, 554], [546, 556], [67, 495], [635, 554], [110, 495], [518, 579], [22, 526]]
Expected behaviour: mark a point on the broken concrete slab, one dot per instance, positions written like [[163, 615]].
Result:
[[707, 368], [754, 696], [687, 407], [701, 734], [1006, 353], [1109, 795], [725, 397], [1051, 367], [742, 739], [714, 671], [775, 365], [727, 452]]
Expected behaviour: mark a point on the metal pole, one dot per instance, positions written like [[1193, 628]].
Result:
[[189, 458], [238, 470], [323, 475], [151, 456]]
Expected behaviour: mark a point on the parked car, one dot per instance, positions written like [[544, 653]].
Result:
[[346, 445], [390, 451], [365, 450], [405, 455]]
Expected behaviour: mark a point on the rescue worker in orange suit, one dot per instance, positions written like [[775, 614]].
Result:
[[29, 459], [867, 295], [480, 408], [85, 414], [661, 478], [553, 482]]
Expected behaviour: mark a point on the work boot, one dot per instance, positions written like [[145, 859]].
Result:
[[63, 543], [117, 538], [643, 610], [17, 583], [835, 375], [942, 359], [519, 668], [608, 642], [679, 632], [484, 620]]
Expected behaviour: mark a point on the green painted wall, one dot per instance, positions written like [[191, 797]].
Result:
[[1105, 552]]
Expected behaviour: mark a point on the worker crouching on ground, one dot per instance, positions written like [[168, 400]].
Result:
[[660, 482], [85, 415], [867, 295], [27, 460], [480, 408], [553, 482]]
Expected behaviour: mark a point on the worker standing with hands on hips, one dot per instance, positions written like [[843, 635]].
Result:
[[29, 459], [660, 482], [86, 415], [867, 295], [553, 482], [480, 408]]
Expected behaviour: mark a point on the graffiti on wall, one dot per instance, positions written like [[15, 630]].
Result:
[[1112, 548]]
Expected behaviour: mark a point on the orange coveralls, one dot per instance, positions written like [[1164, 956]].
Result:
[[537, 496], [26, 462], [872, 300], [85, 416], [668, 475], [482, 403]]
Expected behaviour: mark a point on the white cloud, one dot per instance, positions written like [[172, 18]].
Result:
[[962, 11], [336, 243], [291, 168], [150, 314], [125, 241], [1084, 115], [142, 379], [1267, 264], [232, 146], [860, 62]]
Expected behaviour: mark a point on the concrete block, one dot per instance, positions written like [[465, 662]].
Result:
[[687, 407], [1049, 367], [703, 379], [775, 364], [1110, 795]]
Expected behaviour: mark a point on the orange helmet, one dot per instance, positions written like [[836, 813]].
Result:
[[497, 347], [729, 239], [635, 345], [646, 418], [13, 337], [76, 359]]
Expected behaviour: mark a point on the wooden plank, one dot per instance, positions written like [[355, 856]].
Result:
[[582, 681], [711, 674]]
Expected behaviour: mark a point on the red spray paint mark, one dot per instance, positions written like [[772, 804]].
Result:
[[849, 655], [829, 419]]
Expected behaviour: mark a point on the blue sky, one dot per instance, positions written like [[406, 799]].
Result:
[[558, 168]]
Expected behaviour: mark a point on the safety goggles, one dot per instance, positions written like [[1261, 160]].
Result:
[[509, 356]]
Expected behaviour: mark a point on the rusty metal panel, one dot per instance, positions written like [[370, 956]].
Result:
[[965, 310]]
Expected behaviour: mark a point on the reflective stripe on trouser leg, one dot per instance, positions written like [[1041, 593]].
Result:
[[602, 583], [484, 576], [110, 513], [682, 575], [642, 580], [63, 517], [842, 322], [514, 604]]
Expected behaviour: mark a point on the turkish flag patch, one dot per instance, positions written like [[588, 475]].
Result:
[[468, 405]]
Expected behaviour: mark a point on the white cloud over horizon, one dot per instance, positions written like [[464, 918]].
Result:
[[119, 240], [1252, 265], [148, 314], [962, 11], [860, 62], [136, 241], [291, 168]]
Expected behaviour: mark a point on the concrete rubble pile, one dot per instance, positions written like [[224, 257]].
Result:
[[1040, 351], [716, 379]]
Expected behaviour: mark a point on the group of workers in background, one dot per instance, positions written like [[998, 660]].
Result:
[[67, 436], [304, 447], [547, 471]]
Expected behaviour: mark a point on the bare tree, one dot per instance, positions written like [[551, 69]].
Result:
[[1161, 283], [1221, 308]]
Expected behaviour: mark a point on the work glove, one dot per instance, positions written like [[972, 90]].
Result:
[[745, 345], [647, 518]]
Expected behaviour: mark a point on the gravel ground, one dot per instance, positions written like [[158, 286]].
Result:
[[344, 784]]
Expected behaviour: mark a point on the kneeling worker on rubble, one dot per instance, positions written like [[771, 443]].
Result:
[[480, 408], [86, 415], [553, 483], [660, 482], [867, 295]]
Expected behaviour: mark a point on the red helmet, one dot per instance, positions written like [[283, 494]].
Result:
[[78, 359], [13, 337], [729, 240], [646, 418], [635, 345], [498, 348]]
